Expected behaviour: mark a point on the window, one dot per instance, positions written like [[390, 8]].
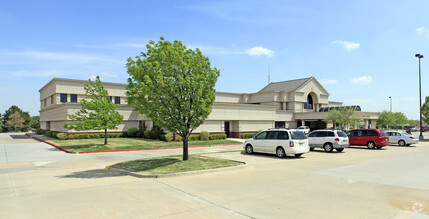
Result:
[[110, 98], [330, 134], [279, 125], [341, 134], [298, 135], [314, 134], [309, 104], [63, 98], [261, 135], [271, 135], [117, 100], [283, 135], [44, 102], [52, 99], [73, 98]]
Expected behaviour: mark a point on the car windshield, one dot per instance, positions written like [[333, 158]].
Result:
[[383, 133], [341, 134], [298, 135]]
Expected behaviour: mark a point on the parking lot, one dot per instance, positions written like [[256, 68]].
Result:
[[38, 181]]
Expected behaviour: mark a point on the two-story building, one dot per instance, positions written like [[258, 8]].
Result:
[[286, 104]]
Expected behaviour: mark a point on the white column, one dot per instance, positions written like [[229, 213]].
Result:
[[365, 123], [302, 122], [284, 105]]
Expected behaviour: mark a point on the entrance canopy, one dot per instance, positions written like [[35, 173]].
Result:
[[329, 108]]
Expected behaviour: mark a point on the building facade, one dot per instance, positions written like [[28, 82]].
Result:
[[286, 104]]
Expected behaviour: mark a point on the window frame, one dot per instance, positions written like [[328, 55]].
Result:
[[62, 96]]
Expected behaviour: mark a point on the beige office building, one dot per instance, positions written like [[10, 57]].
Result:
[[286, 104]]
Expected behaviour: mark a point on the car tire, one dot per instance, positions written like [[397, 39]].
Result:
[[401, 143], [328, 147], [340, 149], [370, 145], [249, 149], [280, 152], [297, 155], [311, 149], [379, 147]]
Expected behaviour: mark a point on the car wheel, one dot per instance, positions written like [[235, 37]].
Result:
[[297, 155], [401, 143], [328, 147], [280, 152], [249, 149], [370, 145], [379, 147], [340, 149], [311, 148]]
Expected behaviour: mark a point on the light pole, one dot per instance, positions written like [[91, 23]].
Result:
[[420, 94], [390, 103]]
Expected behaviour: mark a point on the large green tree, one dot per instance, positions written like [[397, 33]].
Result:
[[98, 111], [15, 121], [343, 116], [24, 115], [172, 85], [34, 122], [425, 111], [333, 116], [389, 119]]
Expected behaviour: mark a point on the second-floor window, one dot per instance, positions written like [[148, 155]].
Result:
[[63, 98], [52, 99], [73, 98], [309, 104], [117, 100]]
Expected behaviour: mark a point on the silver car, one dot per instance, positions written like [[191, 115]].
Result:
[[328, 140], [401, 138]]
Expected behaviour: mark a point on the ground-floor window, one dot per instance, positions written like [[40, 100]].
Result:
[[280, 125]]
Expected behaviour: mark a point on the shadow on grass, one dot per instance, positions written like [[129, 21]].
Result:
[[146, 165], [93, 174]]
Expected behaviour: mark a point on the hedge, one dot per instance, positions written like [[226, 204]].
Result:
[[248, 135]]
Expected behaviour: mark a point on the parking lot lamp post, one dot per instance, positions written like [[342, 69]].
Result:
[[420, 94]]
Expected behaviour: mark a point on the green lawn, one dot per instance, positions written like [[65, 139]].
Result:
[[85, 145], [174, 164]]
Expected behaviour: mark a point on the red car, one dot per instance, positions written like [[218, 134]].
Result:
[[372, 138]]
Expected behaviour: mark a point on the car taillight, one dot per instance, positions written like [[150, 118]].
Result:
[[291, 144], [412, 137], [337, 139]]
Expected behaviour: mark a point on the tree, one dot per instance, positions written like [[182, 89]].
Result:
[[172, 85], [386, 119], [347, 116], [425, 111], [98, 111], [15, 121], [34, 122], [24, 115], [400, 118], [333, 116]]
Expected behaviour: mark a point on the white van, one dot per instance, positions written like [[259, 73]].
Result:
[[281, 142]]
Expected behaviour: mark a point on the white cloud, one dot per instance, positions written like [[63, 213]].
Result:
[[408, 99], [109, 75], [257, 51], [423, 32], [328, 82], [361, 80], [349, 46]]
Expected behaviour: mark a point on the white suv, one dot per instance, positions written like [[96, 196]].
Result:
[[305, 129], [281, 142], [328, 140]]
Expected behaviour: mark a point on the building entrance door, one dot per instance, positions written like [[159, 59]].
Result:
[[227, 129]]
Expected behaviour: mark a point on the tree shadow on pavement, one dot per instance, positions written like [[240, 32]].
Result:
[[19, 137], [93, 174]]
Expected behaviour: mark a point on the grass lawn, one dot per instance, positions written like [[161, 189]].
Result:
[[85, 145], [174, 164]]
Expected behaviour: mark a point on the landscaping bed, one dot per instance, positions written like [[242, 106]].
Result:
[[174, 164], [97, 144]]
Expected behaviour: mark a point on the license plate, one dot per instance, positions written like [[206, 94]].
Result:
[[300, 144], [344, 140]]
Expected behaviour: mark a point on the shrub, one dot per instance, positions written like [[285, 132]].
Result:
[[54, 135], [162, 137], [123, 135], [49, 133], [194, 137], [71, 137], [217, 136], [168, 137], [204, 136], [247, 135], [62, 136], [139, 134], [155, 132], [38, 131], [179, 138], [260, 130], [132, 132], [146, 134], [113, 135]]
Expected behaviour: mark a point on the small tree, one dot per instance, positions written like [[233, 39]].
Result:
[[172, 85], [425, 111], [347, 116], [12, 110], [386, 119], [333, 116], [98, 111], [15, 121], [400, 118]]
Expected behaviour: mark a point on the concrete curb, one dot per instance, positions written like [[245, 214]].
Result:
[[125, 150], [197, 172]]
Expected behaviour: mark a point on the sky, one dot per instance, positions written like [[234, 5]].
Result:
[[361, 51]]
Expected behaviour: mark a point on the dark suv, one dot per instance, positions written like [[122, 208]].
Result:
[[372, 138]]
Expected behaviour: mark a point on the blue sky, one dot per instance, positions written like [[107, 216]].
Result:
[[361, 51]]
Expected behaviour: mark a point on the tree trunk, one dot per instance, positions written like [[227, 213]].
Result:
[[185, 147], [105, 136]]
